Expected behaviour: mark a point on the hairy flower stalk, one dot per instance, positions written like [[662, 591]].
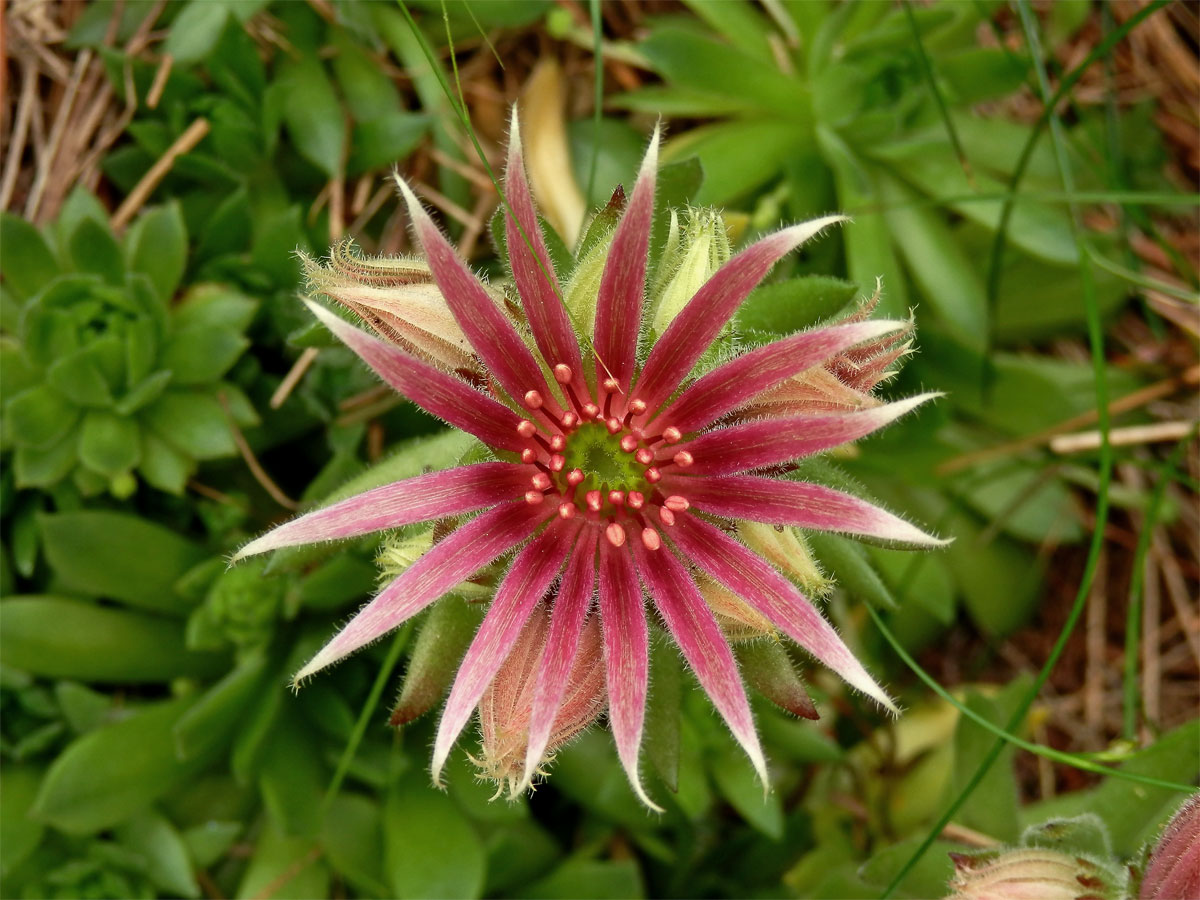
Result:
[[616, 482]]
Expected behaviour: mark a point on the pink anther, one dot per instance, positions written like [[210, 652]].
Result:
[[528, 455], [650, 538], [615, 534], [611, 386], [533, 400], [569, 420], [562, 373], [575, 477], [636, 500], [676, 503], [526, 429], [616, 498], [613, 425], [541, 481], [637, 407], [593, 500], [557, 443], [591, 410], [668, 517], [557, 461], [653, 475], [629, 443], [683, 459], [534, 498], [566, 510], [672, 435], [645, 456]]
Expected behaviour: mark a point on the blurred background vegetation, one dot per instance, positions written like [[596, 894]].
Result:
[[1023, 177]]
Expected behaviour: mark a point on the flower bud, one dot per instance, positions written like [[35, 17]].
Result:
[[692, 255], [1174, 866], [734, 615], [788, 551], [396, 296], [507, 704], [1031, 873]]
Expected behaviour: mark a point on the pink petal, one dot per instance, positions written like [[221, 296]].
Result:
[[449, 562], [695, 630], [522, 588], [533, 271], [697, 325], [770, 441], [566, 625], [622, 286], [489, 330], [626, 657], [729, 386], [763, 588], [780, 502], [447, 493], [442, 395]]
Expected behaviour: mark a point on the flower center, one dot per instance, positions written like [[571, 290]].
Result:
[[594, 461]]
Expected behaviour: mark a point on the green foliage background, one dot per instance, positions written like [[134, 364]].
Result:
[[151, 746]]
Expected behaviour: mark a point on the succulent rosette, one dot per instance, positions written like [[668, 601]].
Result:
[[618, 477]]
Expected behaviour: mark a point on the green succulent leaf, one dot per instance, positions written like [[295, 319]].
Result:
[[95, 251], [28, 262], [192, 423], [157, 246], [39, 417], [79, 378], [109, 444]]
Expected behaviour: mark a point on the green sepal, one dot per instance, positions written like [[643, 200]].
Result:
[[447, 630]]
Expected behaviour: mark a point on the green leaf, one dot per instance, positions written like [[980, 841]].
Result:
[[292, 778], [992, 807], [145, 391], [95, 251], [163, 466], [80, 379], [590, 879], [39, 417], [43, 468], [850, 564], [157, 247], [212, 306], [195, 30], [430, 849], [284, 868], [55, 637], [737, 156], [167, 864], [352, 836], [312, 114], [18, 787], [191, 422], [109, 444], [228, 229], [28, 265], [201, 355], [108, 775], [368, 90], [215, 715], [793, 305], [386, 139], [90, 551], [738, 783]]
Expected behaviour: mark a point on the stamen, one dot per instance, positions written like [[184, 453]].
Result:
[[534, 498], [526, 429], [557, 443], [557, 461], [562, 373], [566, 510], [541, 481], [533, 400], [668, 517], [636, 499], [672, 435], [629, 443], [611, 385], [676, 503], [613, 425], [528, 455], [575, 477], [645, 456], [637, 407], [591, 410], [616, 498], [569, 420], [593, 500], [683, 459], [653, 475], [615, 534], [650, 538]]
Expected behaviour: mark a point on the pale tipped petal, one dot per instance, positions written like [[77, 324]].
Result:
[[756, 582], [695, 328], [566, 626], [779, 502], [770, 441], [449, 562], [447, 493], [695, 630], [440, 394], [626, 658], [527, 580], [490, 331], [728, 386], [533, 272], [623, 284]]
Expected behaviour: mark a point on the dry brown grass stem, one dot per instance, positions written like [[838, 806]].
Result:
[[302, 364], [252, 463], [143, 189]]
